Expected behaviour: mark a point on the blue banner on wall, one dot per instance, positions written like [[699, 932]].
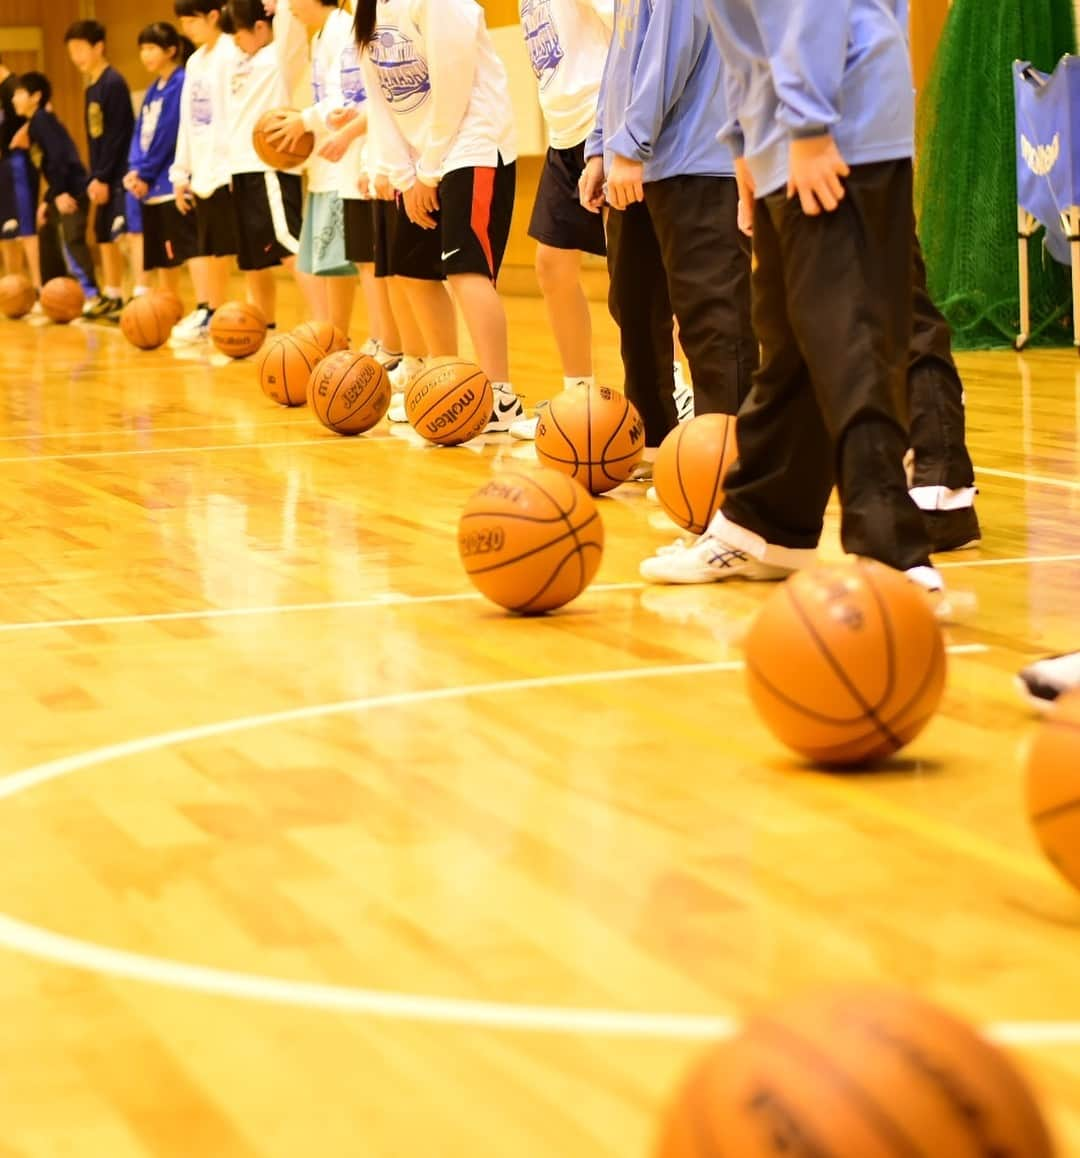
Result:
[[1047, 155]]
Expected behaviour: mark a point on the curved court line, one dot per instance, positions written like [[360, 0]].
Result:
[[386, 599], [42, 944]]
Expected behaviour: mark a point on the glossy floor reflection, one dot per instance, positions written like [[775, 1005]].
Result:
[[289, 766]]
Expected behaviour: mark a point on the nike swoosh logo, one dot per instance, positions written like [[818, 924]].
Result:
[[447, 256]]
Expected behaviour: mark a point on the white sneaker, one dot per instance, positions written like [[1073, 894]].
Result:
[[525, 428], [396, 413], [684, 395], [405, 373], [507, 410], [194, 328], [706, 559], [1042, 682]]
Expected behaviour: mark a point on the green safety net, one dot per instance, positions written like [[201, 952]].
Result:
[[965, 187]]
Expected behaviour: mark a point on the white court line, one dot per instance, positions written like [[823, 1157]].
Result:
[[1041, 479], [74, 454], [1018, 562], [152, 431], [387, 599], [42, 944]]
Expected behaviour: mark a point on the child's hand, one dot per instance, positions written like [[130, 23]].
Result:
[[383, 189], [287, 132], [139, 189], [21, 140], [363, 183], [339, 118], [744, 179], [625, 186], [591, 185], [421, 203], [815, 172], [98, 192], [270, 7], [182, 194], [336, 146], [42, 215], [66, 204]]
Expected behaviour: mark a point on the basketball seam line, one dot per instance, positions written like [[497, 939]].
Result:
[[603, 453], [532, 551], [565, 516], [808, 712], [1056, 812], [566, 438], [831, 660], [819, 1062], [442, 398], [890, 642], [721, 474], [690, 522]]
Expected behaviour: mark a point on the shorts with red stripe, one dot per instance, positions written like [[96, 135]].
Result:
[[475, 208]]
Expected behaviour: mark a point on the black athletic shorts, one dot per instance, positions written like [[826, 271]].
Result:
[[403, 249], [475, 209], [360, 229], [215, 224], [558, 217], [110, 219], [170, 237], [269, 214]]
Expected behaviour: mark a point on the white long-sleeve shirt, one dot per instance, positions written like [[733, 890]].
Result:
[[567, 42], [202, 144], [261, 82], [438, 94], [328, 48]]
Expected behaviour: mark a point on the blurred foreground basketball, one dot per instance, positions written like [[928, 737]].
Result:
[[846, 663], [862, 1073], [593, 434], [171, 302], [349, 392], [1053, 786], [690, 469], [284, 368], [238, 329], [280, 159], [147, 321], [62, 299], [325, 335], [17, 295], [450, 402], [531, 542]]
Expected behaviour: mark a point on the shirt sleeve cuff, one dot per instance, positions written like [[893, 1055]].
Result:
[[623, 144]]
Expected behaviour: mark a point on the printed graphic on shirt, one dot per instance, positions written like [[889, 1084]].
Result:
[[202, 105], [542, 40], [241, 75], [151, 115], [403, 73], [352, 79], [95, 121]]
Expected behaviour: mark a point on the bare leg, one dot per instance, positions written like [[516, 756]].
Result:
[[262, 292], [135, 259], [485, 318], [32, 252], [169, 279], [13, 257], [401, 311], [112, 268], [217, 285], [433, 310], [340, 295], [559, 273]]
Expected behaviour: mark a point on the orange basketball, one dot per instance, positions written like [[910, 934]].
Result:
[[280, 159], [17, 295], [349, 392], [147, 321], [238, 329], [690, 469], [285, 367], [863, 1073], [592, 433], [172, 303], [1053, 786], [450, 402], [62, 299], [532, 541], [846, 663], [325, 335]]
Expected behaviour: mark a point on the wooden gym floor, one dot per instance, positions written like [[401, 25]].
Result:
[[309, 851]]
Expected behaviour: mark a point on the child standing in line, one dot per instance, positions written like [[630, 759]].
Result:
[[20, 183], [65, 206], [439, 96], [820, 108], [568, 44], [110, 123], [200, 174], [168, 236]]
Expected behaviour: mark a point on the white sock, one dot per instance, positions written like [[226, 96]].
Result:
[[584, 380], [140, 291], [112, 292]]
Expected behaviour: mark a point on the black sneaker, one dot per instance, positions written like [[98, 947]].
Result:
[[1042, 682], [102, 308], [952, 530]]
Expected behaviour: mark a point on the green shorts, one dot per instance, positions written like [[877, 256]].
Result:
[[322, 239]]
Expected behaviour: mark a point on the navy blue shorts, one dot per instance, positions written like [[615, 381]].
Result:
[[19, 184], [133, 212], [110, 219]]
